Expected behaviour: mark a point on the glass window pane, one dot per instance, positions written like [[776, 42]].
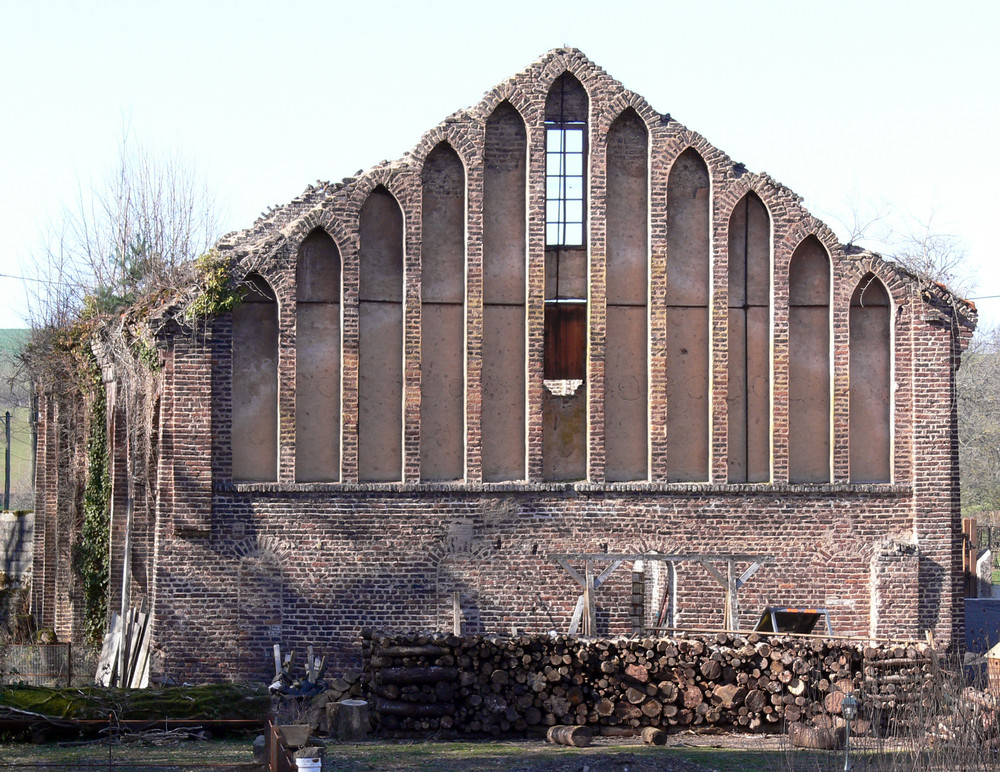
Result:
[[574, 141], [574, 187], [574, 165], [552, 233], [554, 140], [553, 187], [574, 234], [554, 164], [553, 210], [574, 211]]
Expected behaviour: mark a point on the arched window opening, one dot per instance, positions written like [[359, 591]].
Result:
[[504, 275], [870, 434], [564, 451], [380, 339], [255, 384], [442, 317], [626, 407], [688, 290], [809, 384], [749, 398], [317, 359]]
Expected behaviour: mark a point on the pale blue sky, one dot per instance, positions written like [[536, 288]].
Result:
[[878, 102]]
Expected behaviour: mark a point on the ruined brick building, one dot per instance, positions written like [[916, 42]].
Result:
[[563, 324]]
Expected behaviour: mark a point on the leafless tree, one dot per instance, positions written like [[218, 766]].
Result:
[[126, 236], [979, 423]]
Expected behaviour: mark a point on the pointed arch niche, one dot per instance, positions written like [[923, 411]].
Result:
[[564, 401], [442, 317], [870, 430], [380, 339], [317, 359], [504, 278], [749, 398], [626, 361], [255, 384], [809, 384], [688, 294]]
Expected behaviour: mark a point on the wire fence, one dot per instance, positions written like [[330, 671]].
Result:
[[59, 664]]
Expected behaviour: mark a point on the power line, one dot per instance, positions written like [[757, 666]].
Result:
[[61, 282]]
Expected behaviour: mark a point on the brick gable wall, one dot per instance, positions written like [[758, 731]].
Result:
[[321, 561]]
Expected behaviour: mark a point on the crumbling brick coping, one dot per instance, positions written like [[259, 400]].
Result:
[[679, 489], [744, 681]]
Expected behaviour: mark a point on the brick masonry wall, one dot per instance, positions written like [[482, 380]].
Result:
[[233, 568], [364, 559]]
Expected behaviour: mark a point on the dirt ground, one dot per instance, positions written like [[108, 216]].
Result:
[[684, 752]]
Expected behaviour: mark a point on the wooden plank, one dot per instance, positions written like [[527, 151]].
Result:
[[590, 623], [574, 623], [745, 576], [607, 573], [456, 612], [572, 571], [738, 557], [102, 676], [116, 642], [762, 634], [140, 672], [277, 660], [141, 625], [715, 572]]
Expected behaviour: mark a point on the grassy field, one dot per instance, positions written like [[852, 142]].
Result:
[[230, 755], [730, 753], [14, 396], [523, 756]]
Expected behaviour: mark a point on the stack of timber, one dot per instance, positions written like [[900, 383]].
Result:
[[901, 682], [526, 684], [124, 660]]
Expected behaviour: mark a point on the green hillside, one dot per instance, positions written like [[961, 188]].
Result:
[[15, 396]]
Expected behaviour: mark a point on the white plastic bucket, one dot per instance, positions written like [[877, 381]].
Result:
[[309, 765]]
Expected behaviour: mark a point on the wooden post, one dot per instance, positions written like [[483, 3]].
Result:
[[734, 613], [456, 612], [969, 552], [589, 603]]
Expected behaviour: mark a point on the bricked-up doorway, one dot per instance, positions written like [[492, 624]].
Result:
[[260, 600], [459, 574]]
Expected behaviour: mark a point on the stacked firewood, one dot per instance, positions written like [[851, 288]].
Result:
[[901, 677], [529, 683]]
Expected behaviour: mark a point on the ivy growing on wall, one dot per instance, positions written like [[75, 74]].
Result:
[[92, 558], [219, 292]]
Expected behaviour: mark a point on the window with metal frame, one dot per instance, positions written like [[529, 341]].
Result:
[[564, 184]]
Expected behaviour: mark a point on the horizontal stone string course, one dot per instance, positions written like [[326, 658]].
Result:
[[523, 685]]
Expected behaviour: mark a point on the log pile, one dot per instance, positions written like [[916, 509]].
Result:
[[901, 679], [533, 682]]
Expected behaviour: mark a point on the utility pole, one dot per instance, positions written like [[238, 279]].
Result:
[[6, 463]]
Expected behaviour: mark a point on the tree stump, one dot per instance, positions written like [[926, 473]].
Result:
[[348, 719]]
